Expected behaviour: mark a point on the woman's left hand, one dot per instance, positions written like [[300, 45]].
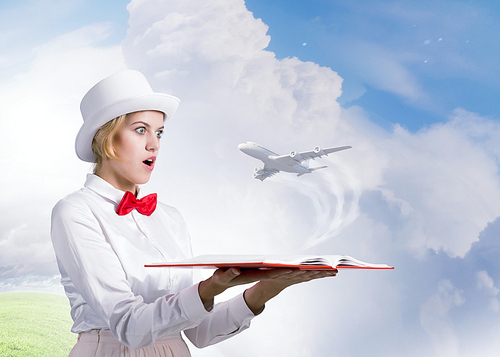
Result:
[[264, 290]]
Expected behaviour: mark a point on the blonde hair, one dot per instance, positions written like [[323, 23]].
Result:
[[102, 144]]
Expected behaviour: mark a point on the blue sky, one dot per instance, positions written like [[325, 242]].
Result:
[[411, 85], [423, 36]]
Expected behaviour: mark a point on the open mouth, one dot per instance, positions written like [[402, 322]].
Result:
[[150, 163]]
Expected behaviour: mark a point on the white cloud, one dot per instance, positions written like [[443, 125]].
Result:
[[435, 319], [485, 282], [435, 189], [39, 111], [450, 180]]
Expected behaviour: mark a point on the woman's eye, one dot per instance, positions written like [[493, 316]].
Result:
[[141, 130], [159, 134]]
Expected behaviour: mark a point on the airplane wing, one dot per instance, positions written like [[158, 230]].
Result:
[[318, 152], [295, 158], [264, 173]]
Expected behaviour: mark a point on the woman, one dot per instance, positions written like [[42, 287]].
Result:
[[104, 233]]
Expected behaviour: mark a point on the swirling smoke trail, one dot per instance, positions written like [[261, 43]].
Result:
[[334, 194]]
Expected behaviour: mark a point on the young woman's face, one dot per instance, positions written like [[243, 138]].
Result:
[[136, 144]]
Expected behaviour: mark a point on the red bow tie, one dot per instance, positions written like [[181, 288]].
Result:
[[145, 205]]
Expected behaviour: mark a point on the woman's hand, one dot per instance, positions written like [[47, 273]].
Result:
[[270, 283], [264, 290], [223, 279]]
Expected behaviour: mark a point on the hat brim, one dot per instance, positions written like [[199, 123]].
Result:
[[164, 103]]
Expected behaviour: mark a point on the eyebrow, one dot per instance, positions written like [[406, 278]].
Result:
[[146, 124]]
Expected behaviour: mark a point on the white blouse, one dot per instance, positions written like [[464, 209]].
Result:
[[101, 258]]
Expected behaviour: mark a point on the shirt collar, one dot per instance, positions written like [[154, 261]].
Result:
[[103, 188]]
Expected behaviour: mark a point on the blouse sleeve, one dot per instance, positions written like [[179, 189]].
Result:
[[89, 262], [226, 320], [97, 275]]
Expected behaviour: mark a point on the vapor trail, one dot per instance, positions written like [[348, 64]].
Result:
[[334, 196]]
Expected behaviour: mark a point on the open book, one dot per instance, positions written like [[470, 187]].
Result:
[[303, 262]]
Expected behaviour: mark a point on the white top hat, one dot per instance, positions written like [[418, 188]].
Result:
[[121, 93]]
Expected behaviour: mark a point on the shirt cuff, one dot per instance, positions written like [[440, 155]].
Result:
[[191, 303], [240, 310]]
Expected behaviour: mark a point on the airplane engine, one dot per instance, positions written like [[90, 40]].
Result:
[[319, 151], [258, 172], [296, 156]]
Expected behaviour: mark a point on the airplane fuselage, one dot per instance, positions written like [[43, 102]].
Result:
[[268, 158]]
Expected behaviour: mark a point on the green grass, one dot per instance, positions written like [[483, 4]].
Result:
[[35, 325]]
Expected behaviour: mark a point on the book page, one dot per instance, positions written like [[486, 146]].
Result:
[[276, 261]]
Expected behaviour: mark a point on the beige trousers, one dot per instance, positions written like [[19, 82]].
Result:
[[102, 343]]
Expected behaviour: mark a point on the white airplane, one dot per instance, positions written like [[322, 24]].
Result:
[[274, 163]]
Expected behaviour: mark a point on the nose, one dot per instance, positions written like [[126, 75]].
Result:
[[243, 146], [153, 143]]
